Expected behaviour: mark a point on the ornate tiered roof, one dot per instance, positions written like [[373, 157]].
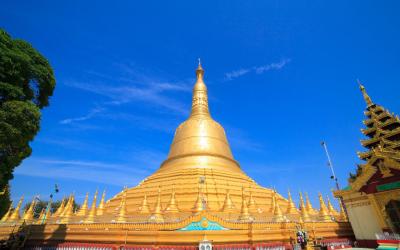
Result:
[[382, 144]]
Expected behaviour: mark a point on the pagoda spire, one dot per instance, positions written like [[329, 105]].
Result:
[[365, 95], [272, 210], [60, 208], [309, 208], [244, 211], [331, 210], [228, 206], [172, 207], [122, 211], [200, 98], [278, 216], [252, 204], [157, 214], [199, 205], [304, 214], [92, 212], [84, 208], [8, 214], [323, 211], [28, 214], [100, 208], [68, 211], [382, 141], [66, 205], [291, 207], [144, 208], [41, 216], [343, 215], [15, 214]]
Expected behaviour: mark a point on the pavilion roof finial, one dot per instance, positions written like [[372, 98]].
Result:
[[365, 95]]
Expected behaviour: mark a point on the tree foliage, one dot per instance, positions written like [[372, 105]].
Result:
[[26, 83], [40, 205]]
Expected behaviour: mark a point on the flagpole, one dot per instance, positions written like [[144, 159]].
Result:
[[330, 165]]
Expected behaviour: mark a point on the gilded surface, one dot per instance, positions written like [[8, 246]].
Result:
[[199, 179]]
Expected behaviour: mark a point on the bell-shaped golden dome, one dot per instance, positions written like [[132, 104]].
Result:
[[199, 169], [200, 141]]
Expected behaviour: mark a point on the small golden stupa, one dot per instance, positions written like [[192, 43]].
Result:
[[199, 192]]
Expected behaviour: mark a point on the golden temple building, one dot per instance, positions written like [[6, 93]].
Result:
[[198, 198], [372, 198]]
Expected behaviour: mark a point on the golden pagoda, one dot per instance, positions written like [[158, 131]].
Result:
[[199, 192]]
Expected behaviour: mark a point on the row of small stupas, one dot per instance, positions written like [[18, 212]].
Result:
[[200, 189], [245, 212]]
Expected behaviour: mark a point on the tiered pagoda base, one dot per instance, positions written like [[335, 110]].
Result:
[[199, 194], [184, 234]]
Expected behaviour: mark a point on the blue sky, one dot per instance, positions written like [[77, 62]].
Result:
[[281, 77]]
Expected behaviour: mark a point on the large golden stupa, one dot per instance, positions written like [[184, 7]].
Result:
[[199, 194]]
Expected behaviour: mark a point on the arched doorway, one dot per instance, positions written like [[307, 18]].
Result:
[[393, 212]]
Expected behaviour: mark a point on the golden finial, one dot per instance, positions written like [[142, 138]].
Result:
[[8, 214], [323, 211], [365, 95], [122, 211], [172, 207], [84, 208], [15, 215], [199, 71], [157, 214], [228, 206], [304, 214], [200, 98], [92, 212], [291, 207]]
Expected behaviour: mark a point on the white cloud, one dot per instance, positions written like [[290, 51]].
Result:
[[130, 86], [236, 73], [257, 69], [271, 66], [93, 171], [88, 116]]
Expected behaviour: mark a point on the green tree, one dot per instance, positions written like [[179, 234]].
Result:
[[26, 83], [40, 205]]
